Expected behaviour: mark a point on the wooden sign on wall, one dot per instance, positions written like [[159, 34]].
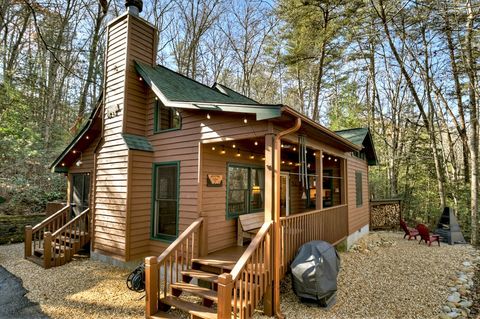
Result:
[[214, 180]]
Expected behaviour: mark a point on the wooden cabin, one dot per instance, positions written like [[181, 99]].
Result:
[[205, 182]]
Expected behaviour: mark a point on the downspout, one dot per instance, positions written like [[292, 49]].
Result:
[[276, 225]]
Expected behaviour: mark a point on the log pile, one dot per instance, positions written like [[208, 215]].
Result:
[[385, 214]]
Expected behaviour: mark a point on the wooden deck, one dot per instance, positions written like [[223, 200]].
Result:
[[224, 258]]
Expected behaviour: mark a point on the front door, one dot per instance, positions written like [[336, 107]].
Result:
[[80, 193], [284, 194]]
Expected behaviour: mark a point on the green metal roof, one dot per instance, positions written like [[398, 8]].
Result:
[[176, 90], [137, 142], [179, 88], [239, 98], [354, 135], [361, 136]]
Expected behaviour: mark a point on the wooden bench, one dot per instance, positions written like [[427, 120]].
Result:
[[248, 226]]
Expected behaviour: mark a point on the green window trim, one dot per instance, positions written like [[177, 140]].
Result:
[[358, 188], [153, 234], [249, 190], [174, 112]]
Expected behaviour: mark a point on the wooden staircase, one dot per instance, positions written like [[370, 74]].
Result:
[[196, 293], [208, 287], [57, 239]]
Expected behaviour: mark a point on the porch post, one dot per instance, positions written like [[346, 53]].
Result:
[[319, 173], [151, 286], [269, 149], [343, 186], [203, 231]]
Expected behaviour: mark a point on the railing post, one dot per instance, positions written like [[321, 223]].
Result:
[[28, 241], [225, 288], [47, 250], [151, 286], [268, 296], [203, 237]]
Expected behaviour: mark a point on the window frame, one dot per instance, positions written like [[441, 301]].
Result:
[[160, 236], [156, 113], [359, 188], [230, 216]]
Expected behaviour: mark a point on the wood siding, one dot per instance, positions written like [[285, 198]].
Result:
[[357, 216], [183, 145]]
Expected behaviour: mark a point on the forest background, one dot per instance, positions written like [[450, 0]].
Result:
[[408, 70]]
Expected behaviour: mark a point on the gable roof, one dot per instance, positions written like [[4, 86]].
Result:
[[179, 91], [361, 136]]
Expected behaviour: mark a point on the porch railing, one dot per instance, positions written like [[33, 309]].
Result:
[[328, 224], [59, 245], [176, 258], [240, 291], [34, 236]]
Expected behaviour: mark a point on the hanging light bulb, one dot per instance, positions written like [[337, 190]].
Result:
[[329, 158], [263, 158], [223, 150], [140, 78], [335, 160], [294, 148], [74, 151], [234, 146], [281, 145], [156, 98], [290, 163], [314, 154], [238, 153], [208, 116], [213, 148], [283, 162], [245, 120], [255, 143], [323, 156], [251, 156]]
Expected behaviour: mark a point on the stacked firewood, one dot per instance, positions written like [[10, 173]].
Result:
[[384, 215]]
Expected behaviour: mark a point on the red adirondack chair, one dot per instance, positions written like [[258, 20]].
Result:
[[425, 235], [410, 232]]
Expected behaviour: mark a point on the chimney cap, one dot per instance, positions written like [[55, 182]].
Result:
[[136, 5]]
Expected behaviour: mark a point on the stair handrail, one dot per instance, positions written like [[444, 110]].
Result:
[[36, 233], [240, 282], [50, 256], [175, 258], [49, 219]]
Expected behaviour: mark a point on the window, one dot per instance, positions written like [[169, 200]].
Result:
[[358, 187], [245, 190], [166, 118], [165, 200]]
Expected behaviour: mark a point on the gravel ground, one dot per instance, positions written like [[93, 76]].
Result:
[[387, 277]]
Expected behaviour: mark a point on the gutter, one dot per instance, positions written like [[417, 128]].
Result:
[[276, 238]]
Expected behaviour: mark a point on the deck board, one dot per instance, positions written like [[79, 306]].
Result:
[[224, 258]]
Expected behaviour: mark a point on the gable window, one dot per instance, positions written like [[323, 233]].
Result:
[[358, 188], [165, 200], [245, 190], [166, 118]]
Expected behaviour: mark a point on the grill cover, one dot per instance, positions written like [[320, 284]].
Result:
[[314, 272]]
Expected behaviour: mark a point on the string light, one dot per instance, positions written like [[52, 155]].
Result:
[[283, 162], [263, 158], [252, 156], [314, 154], [335, 160], [329, 158], [323, 156], [245, 120], [74, 151], [281, 146], [213, 148], [208, 116], [256, 143], [63, 164], [156, 98], [238, 153], [294, 148], [290, 163], [140, 78], [234, 146], [87, 137]]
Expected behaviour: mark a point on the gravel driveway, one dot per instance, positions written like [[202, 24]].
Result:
[[387, 277]]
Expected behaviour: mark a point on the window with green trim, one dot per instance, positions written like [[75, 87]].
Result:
[[245, 190], [165, 200], [166, 118], [358, 188]]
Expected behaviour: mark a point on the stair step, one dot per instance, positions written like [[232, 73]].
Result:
[[192, 308], [201, 275], [225, 265], [162, 315], [196, 290]]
